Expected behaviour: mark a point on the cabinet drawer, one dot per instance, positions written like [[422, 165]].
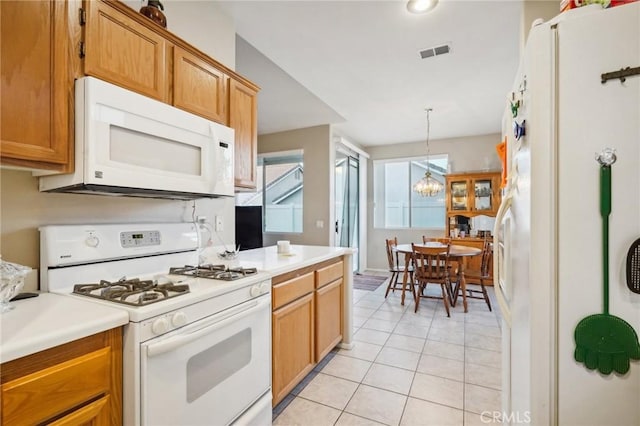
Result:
[[329, 273], [94, 414], [39, 396], [289, 291]]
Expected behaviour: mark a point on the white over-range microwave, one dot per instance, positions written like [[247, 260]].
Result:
[[129, 144]]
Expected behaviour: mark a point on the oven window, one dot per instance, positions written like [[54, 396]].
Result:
[[208, 368]]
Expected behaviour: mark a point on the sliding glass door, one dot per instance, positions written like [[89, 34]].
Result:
[[347, 229]]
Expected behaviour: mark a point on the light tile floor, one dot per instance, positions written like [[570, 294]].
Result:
[[406, 368]]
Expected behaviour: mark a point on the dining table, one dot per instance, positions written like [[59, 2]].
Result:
[[457, 253]]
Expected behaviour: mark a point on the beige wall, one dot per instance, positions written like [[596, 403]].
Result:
[[23, 209], [532, 10], [315, 141], [465, 154], [201, 23]]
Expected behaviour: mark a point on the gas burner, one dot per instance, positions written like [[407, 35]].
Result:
[[134, 292], [216, 272]]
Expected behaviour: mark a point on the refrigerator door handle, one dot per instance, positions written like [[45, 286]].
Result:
[[497, 272]]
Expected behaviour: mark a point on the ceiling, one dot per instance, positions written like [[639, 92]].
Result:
[[356, 65]]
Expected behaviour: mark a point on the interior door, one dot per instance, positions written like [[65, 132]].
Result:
[[347, 183]]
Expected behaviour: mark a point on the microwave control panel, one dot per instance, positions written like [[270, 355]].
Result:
[[139, 238]]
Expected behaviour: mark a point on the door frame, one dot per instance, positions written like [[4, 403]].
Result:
[[339, 142]]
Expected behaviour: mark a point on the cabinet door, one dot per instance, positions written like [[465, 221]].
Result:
[[459, 190], [198, 87], [243, 118], [93, 414], [36, 105], [483, 194], [328, 318], [293, 341], [125, 53]]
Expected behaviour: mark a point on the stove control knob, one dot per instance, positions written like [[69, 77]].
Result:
[[160, 326], [92, 241], [264, 288], [179, 319], [255, 290]]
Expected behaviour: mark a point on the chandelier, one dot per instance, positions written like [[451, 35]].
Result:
[[428, 186]]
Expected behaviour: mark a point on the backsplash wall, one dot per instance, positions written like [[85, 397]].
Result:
[[23, 209]]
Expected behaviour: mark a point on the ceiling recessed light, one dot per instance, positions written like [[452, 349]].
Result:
[[421, 6]]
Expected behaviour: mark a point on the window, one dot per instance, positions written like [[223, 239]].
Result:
[[395, 203], [280, 188]]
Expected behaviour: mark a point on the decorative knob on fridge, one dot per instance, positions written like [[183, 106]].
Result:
[[160, 326], [179, 319]]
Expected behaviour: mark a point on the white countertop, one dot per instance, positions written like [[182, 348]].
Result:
[[50, 320], [268, 260]]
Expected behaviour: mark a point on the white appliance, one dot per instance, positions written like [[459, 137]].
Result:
[[129, 144], [200, 356], [548, 234]]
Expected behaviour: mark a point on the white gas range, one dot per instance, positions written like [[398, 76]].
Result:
[[197, 349]]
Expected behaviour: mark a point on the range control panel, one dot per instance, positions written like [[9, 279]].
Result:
[[140, 239]]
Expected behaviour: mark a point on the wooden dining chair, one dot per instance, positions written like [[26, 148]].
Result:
[[396, 267], [478, 277], [432, 267]]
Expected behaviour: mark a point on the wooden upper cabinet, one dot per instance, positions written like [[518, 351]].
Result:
[[243, 118], [198, 87], [36, 65], [124, 52], [472, 194]]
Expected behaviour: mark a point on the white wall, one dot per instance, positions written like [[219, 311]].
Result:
[[23, 209], [201, 23], [465, 155], [316, 143]]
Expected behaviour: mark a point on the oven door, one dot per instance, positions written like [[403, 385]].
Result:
[[209, 372]]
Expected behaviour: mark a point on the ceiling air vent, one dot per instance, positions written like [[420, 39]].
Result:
[[435, 51]]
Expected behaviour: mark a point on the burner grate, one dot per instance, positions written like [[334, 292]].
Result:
[[216, 272], [133, 292]]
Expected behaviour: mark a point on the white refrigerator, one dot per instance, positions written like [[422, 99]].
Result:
[[548, 268]]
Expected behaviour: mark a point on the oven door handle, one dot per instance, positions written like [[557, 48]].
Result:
[[215, 323]]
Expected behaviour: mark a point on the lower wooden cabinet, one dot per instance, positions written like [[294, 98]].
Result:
[[95, 413], [293, 356], [328, 318], [306, 322], [78, 383]]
